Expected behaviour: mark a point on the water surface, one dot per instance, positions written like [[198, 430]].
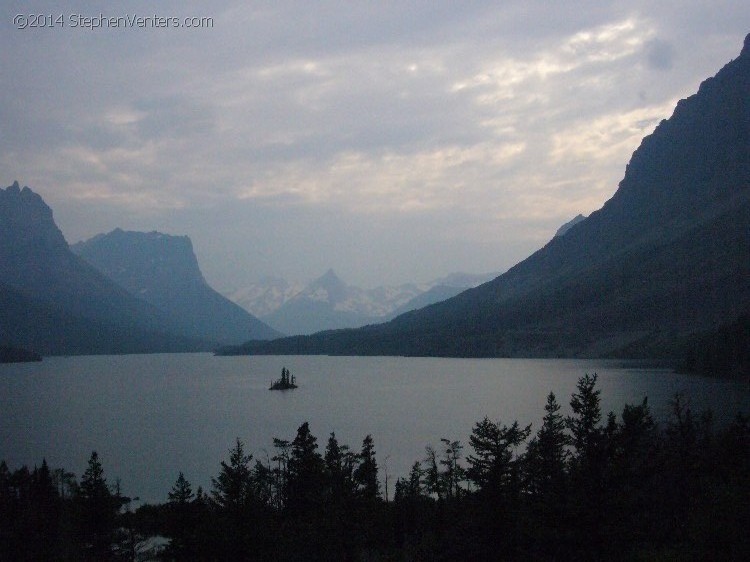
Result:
[[150, 416]]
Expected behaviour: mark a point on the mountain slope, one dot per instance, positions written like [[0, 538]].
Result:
[[163, 271], [666, 256], [52, 302]]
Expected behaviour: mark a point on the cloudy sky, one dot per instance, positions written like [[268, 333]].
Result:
[[392, 141]]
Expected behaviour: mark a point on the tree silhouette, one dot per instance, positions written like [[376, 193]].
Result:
[[98, 509], [366, 473]]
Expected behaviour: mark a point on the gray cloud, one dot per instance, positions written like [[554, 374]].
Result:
[[287, 139], [659, 54]]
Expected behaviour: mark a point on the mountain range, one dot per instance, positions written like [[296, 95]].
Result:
[[329, 303], [54, 302], [666, 257]]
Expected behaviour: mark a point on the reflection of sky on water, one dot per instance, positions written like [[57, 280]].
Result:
[[150, 416]]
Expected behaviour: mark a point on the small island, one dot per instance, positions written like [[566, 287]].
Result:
[[286, 382]]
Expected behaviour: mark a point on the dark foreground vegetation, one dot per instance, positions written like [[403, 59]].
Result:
[[582, 487]]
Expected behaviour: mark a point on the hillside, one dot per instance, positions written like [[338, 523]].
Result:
[[667, 256]]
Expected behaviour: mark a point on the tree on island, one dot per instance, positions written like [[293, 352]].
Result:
[[286, 382]]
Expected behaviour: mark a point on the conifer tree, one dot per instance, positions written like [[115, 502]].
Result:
[[547, 453], [233, 487], [98, 509], [366, 473], [306, 471]]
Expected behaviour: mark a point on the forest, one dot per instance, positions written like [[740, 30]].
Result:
[[586, 486]]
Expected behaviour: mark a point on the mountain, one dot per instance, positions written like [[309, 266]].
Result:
[[329, 303], [568, 225], [52, 302], [265, 296], [163, 271], [666, 257], [324, 304], [434, 294]]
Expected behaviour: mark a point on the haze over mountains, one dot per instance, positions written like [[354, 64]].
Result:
[[329, 303], [53, 301], [163, 271], [668, 255]]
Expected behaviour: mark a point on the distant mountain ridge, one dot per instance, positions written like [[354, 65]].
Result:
[[163, 271], [329, 303], [667, 256], [570, 224]]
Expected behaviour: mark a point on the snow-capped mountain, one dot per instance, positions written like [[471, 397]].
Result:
[[329, 303]]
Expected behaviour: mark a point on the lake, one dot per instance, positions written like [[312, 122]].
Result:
[[150, 416]]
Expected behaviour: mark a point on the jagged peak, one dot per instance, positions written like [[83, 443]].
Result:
[[746, 47], [330, 274]]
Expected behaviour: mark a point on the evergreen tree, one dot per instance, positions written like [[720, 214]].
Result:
[[453, 473], [280, 472], [495, 469], [233, 487], [234, 505], [44, 514], [545, 467], [182, 520], [306, 472], [307, 534], [584, 423], [98, 509], [494, 464], [547, 454], [588, 468], [366, 473], [431, 479]]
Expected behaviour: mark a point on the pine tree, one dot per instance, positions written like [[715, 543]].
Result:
[[306, 472], [98, 509], [547, 454], [233, 487], [453, 474], [493, 464], [235, 506], [584, 423], [366, 473], [182, 520]]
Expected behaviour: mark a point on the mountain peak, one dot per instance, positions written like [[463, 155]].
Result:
[[330, 276], [134, 258], [746, 47], [26, 223], [568, 225], [328, 287]]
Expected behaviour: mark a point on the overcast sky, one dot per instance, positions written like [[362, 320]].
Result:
[[392, 141]]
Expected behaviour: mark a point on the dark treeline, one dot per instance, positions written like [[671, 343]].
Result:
[[582, 487]]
